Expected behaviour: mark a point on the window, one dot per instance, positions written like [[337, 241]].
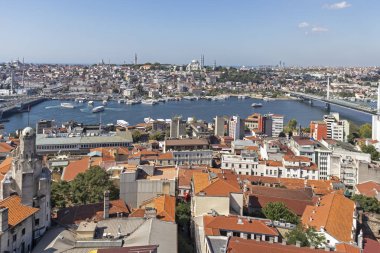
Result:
[[14, 237], [23, 231], [37, 222]]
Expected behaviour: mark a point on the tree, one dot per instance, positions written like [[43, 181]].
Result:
[[370, 149], [60, 194], [365, 131], [279, 212], [136, 136], [282, 134], [89, 187], [368, 204], [159, 136], [306, 237], [183, 213], [292, 124]]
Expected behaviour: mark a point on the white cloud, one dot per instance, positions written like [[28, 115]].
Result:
[[337, 6], [318, 29], [303, 25]]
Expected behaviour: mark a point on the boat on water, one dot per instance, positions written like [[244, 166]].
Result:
[[80, 100], [98, 109], [266, 99], [122, 123], [104, 102], [121, 101], [67, 105], [255, 105], [149, 102], [91, 103], [242, 97]]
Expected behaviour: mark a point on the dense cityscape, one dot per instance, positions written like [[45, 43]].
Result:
[[199, 157]]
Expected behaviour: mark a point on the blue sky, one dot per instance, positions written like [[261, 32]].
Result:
[[234, 32]]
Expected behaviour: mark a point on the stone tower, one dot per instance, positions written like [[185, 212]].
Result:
[[28, 179]]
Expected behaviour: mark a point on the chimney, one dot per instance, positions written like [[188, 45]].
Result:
[[360, 239], [283, 242], [298, 244], [4, 218], [271, 240], [257, 238], [150, 212], [106, 211]]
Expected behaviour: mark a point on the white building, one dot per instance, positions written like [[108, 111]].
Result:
[[244, 164], [236, 128], [376, 119], [277, 124]]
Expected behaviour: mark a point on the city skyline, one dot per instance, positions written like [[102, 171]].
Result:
[[299, 33]]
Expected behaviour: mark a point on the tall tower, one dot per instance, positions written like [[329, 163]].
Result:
[[328, 88], [376, 118], [202, 61], [214, 66], [135, 59], [28, 179]]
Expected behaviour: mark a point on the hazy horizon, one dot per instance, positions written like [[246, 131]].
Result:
[[323, 33]]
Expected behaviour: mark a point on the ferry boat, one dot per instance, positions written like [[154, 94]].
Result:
[[80, 100], [255, 105], [241, 97], [67, 105], [91, 103], [98, 109]]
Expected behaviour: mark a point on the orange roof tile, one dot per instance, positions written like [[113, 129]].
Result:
[[213, 225], [76, 167], [17, 212], [347, 248], [165, 156], [5, 147], [5, 166], [200, 181], [334, 213], [220, 187], [369, 189]]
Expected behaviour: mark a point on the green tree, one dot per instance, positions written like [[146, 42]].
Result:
[[89, 187], [370, 149], [278, 211], [136, 136], [368, 204], [292, 124], [60, 194], [159, 136], [183, 213], [306, 237], [365, 131]]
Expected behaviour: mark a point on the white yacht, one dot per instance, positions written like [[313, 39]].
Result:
[[104, 102], [149, 102], [91, 103], [67, 105], [98, 109]]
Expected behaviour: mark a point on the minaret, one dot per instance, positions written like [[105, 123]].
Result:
[[135, 59], [214, 67]]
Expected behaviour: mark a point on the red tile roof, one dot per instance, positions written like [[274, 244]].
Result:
[[369, 189], [76, 167], [76, 214], [165, 206], [295, 200], [213, 225], [17, 212], [240, 245], [335, 213]]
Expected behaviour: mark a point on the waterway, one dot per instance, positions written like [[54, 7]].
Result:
[[201, 109]]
